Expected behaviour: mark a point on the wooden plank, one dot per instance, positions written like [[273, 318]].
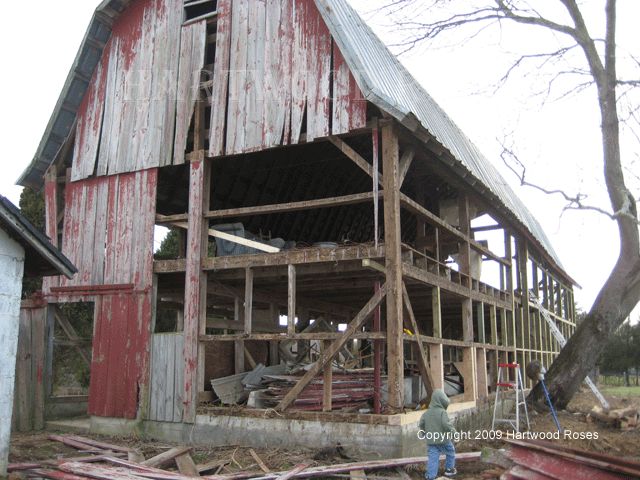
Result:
[[259, 461], [89, 122], [482, 378], [327, 381], [298, 69], [178, 376], [393, 265], [38, 332], [418, 347], [336, 346], [291, 302], [167, 457], [282, 207], [220, 79], [318, 74], [469, 375], [23, 396], [248, 301], [355, 157], [192, 52], [238, 347], [101, 445], [233, 238], [237, 78], [186, 466], [297, 469]]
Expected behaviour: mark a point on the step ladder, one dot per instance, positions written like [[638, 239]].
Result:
[[562, 342], [504, 385]]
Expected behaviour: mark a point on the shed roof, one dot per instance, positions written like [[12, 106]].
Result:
[[41, 257], [383, 80]]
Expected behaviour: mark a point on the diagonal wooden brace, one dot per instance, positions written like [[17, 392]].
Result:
[[327, 356]]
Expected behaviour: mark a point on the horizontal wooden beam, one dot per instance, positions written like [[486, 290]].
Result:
[[274, 337], [354, 156], [295, 257], [432, 279], [436, 221], [292, 206]]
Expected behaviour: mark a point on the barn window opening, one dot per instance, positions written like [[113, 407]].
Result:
[[199, 9]]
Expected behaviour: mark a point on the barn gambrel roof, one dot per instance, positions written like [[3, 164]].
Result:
[[383, 80]]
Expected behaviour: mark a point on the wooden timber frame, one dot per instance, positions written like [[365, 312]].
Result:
[[385, 222], [492, 319]]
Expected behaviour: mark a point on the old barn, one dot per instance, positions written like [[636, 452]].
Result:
[[330, 217]]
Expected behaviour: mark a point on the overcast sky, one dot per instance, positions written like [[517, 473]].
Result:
[[559, 141]]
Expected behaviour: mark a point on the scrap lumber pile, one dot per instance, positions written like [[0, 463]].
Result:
[[349, 390], [541, 460], [104, 461], [265, 387], [622, 418]]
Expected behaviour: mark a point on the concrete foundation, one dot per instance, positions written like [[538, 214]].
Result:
[[396, 438]]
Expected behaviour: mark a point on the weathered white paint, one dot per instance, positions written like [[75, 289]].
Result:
[[11, 270]]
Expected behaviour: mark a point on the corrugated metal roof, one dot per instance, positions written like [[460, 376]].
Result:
[[385, 82]]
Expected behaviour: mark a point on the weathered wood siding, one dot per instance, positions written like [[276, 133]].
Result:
[[167, 379], [127, 119], [29, 368], [108, 232], [276, 66], [108, 229]]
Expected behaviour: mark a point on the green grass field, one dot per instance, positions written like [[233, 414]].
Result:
[[622, 392]]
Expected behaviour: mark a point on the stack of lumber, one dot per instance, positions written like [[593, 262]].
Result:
[[623, 418], [348, 390]]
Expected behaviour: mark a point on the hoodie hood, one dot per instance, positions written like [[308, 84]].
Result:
[[439, 399]]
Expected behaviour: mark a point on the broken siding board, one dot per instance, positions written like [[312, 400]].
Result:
[[298, 69], [89, 122], [220, 87], [100, 235], [318, 75], [110, 122], [253, 90], [274, 109], [192, 52], [237, 78]]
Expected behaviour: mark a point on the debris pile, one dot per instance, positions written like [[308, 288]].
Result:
[[265, 387], [105, 461], [622, 418]]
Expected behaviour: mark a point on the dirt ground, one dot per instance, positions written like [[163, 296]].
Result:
[[624, 443]]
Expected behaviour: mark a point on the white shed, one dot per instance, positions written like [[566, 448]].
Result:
[[23, 251]]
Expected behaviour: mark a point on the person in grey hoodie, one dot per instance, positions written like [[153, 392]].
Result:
[[437, 430]]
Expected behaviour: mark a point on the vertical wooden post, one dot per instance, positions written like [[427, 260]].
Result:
[[481, 373], [469, 374], [493, 320], [327, 380], [376, 185], [238, 345], [248, 301], [377, 357], [435, 350], [393, 265], [480, 326], [291, 300], [523, 281], [274, 353], [195, 308]]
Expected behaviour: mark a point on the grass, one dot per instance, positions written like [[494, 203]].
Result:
[[622, 391]]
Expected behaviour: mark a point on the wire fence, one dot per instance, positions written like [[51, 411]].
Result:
[[618, 379]]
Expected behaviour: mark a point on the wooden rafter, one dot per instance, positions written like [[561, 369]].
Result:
[[337, 345]]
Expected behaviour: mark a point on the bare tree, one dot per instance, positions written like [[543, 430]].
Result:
[[621, 291]]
